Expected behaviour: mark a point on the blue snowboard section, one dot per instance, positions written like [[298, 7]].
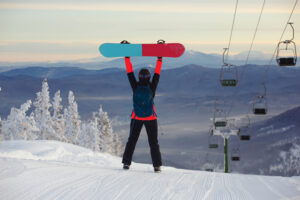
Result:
[[120, 50]]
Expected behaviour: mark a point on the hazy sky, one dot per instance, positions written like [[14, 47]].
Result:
[[52, 30]]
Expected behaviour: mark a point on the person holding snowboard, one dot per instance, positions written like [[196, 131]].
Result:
[[143, 113]]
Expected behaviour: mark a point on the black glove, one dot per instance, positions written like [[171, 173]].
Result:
[[159, 58], [160, 42], [124, 42]]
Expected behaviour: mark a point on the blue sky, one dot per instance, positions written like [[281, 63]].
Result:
[[52, 30]]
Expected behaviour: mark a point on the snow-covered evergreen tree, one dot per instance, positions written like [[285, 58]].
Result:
[[106, 132], [72, 120], [58, 118], [42, 114], [288, 162], [84, 135], [18, 125], [118, 145], [89, 136]]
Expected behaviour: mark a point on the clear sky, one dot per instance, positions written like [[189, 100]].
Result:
[[54, 30]]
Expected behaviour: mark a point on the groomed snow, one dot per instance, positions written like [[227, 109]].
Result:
[[55, 170]]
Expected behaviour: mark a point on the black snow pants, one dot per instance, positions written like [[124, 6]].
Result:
[[135, 130]]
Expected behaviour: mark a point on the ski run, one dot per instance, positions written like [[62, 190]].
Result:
[[55, 170]]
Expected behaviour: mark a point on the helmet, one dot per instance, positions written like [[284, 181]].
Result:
[[144, 75]]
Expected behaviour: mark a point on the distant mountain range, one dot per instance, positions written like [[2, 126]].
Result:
[[189, 57], [187, 85]]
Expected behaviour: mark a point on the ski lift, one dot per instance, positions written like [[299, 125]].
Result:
[[260, 106], [219, 120], [213, 142], [229, 73], [208, 166], [235, 154], [229, 130], [286, 51], [245, 130]]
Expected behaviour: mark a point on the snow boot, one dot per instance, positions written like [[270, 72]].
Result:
[[126, 167], [157, 169]]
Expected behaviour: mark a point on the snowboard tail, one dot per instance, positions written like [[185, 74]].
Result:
[[155, 50]]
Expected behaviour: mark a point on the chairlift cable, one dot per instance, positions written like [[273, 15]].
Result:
[[219, 91], [247, 58], [232, 26], [269, 64], [286, 25], [228, 47], [262, 98]]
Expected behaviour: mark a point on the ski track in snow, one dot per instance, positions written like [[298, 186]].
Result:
[[29, 173]]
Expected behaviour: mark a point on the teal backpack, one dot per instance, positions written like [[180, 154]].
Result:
[[143, 101]]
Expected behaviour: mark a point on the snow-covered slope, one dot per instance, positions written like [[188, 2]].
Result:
[[55, 170]]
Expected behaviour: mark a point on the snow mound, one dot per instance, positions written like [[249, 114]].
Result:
[[46, 150], [56, 170]]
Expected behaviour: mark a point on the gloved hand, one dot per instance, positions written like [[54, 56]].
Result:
[[160, 42], [124, 42]]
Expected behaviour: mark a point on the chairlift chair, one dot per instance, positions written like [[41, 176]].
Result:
[[228, 74], [245, 130], [286, 51], [235, 154], [260, 106], [213, 142], [219, 120], [220, 123], [245, 137], [208, 166]]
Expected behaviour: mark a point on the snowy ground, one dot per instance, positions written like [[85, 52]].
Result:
[[55, 170]]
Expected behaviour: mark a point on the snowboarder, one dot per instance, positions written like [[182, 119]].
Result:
[[143, 113]]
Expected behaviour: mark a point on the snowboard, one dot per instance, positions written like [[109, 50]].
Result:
[[156, 50]]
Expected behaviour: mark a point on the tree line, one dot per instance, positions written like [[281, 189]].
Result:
[[44, 119]]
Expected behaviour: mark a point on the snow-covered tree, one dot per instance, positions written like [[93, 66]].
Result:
[[89, 136], [106, 132], [72, 120], [118, 145], [42, 114], [58, 118], [288, 162], [18, 125]]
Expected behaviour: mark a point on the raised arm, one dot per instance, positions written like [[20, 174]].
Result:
[[130, 73], [156, 75], [128, 65], [158, 65]]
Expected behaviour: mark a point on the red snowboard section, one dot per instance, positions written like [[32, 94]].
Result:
[[163, 50]]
